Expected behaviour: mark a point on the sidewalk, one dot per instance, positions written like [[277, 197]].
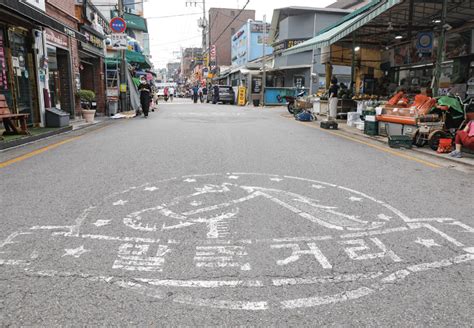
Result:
[[37, 134], [467, 159]]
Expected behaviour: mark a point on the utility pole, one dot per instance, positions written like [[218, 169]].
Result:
[[202, 24], [441, 44], [264, 62], [123, 67]]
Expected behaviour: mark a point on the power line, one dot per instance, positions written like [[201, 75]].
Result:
[[170, 16], [230, 23], [177, 41]]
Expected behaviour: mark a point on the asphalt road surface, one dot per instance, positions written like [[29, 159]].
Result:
[[214, 215]]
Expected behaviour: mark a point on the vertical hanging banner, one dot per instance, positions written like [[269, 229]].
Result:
[[213, 59], [241, 101]]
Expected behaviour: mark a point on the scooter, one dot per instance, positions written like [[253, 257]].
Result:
[[291, 100]]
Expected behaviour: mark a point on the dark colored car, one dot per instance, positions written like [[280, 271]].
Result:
[[226, 95]]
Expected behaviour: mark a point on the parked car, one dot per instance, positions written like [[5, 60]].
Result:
[[226, 95]]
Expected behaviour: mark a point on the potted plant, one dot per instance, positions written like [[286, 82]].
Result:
[[87, 96]]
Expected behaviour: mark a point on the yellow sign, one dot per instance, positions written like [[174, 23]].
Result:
[[241, 101], [123, 87]]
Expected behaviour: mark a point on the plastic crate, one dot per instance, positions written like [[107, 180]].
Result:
[[400, 141], [329, 125], [371, 128]]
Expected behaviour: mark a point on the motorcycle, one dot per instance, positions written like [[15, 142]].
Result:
[[291, 103]]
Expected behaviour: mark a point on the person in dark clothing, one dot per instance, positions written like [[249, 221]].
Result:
[[195, 93], [145, 96], [333, 90], [215, 94]]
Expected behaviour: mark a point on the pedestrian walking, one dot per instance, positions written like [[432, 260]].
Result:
[[215, 94], [145, 95], [201, 96], [195, 91], [171, 92]]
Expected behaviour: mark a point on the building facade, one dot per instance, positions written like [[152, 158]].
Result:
[[39, 65], [190, 58], [349, 4], [95, 27], [248, 43], [63, 58], [290, 27], [220, 33]]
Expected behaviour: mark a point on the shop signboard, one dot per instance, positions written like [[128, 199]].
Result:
[[56, 38], [424, 42], [3, 65], [241, 100], [256, 84], [118, 41], [213, 59], [287, 44]]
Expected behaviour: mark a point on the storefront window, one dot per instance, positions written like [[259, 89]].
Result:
[[4, 81], [54, 79], [22, 71]]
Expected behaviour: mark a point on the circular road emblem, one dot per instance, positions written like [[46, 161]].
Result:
[[241, 241]]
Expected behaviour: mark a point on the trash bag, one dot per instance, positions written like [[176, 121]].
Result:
[[304, 116]]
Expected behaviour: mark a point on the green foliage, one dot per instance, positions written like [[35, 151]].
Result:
[[86, 95]]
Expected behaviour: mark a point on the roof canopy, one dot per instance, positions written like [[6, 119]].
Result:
[[380, 21]]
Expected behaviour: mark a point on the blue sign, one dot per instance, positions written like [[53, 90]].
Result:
[[118, 25], [424, 42]]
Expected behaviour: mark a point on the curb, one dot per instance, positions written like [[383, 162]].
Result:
[[385, 142], [415, 149], [30, 140]]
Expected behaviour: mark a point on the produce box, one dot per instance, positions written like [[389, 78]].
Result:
[[400, 141]]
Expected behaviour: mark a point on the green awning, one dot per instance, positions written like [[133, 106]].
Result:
[[132, 57], [134, 22], [346, 26]]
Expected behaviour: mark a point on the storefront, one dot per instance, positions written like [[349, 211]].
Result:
[[92, 66], [17, 70], [61, 92], [35, 60], [392, 44]]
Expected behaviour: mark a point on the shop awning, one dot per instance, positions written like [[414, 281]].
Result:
[[132, 57], [346, 26], [134, 22]]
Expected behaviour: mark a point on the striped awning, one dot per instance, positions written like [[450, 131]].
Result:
[[345, 27]]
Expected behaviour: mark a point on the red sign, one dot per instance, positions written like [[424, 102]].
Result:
[[118, 25]]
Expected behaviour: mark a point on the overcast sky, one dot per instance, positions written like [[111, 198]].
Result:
[[169, 34]]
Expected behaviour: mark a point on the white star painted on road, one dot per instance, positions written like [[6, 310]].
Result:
[[355, 199], [317, 186], [101, 223], [427, 242], [276, 179], [384, 217], [233, 177], [151, 188], [120, 202], [76, 252], [190, 180]]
